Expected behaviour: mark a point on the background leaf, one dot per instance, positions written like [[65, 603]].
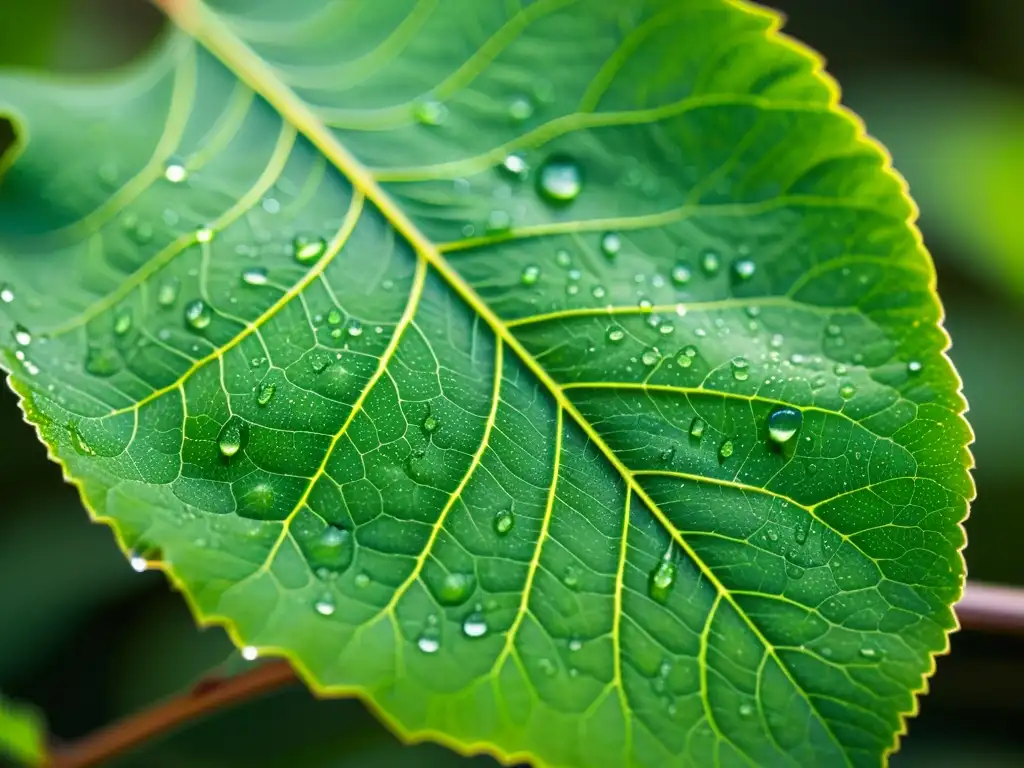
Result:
[[769, 230], [21, 733]]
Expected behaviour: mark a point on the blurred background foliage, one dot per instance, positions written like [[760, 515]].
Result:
[[941, 82]]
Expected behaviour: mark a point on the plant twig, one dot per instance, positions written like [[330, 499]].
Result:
[[134, 730], [984, 607], [992, 608]]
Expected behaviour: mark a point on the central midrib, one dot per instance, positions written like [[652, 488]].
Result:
[[206, 27]]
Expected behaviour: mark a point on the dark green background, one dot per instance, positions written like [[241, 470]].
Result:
[[940, 81]]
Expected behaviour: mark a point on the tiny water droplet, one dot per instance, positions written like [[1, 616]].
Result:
[[662, 578], [611, 244], [307, 250], [615, 334], [530, 275], [681, 274], [868, 652], [22, 337], [914, 366], [726, 449], [710, 263], [430, 112], [498, 222], [560, 179], [198, 315], [167, 293], [78, 441], [203, 235], [355, 329], [783, 423], [847, 391], [266, 393], [740, 369], [250, 653], [697, 427], [746, 710], [833, 330], [254, 276], [6, 294], [520, 109], [123, 323], [503, 521], [138, 563], [324, 606], [456, 588], [563, 258], [516, 166], [794, 571], [102, 361], [175, 173], [575, 644], [429, 642], [475, 625], [430, 424], [232, 436], [743, 269]]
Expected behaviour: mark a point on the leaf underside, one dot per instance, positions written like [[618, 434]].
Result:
[[450, 348]]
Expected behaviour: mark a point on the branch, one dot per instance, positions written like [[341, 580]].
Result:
[[135, 730], [992, 608], [984, 607]]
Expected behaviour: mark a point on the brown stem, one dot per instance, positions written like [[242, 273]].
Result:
[[136, 729], [992, 608], [985, 607]]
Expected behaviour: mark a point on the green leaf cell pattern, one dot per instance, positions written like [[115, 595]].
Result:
[[565, 378]]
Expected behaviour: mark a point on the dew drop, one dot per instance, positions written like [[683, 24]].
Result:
[[746, 710], [530, 275], [847, 391], [232, 436], [430, 424], [102, 361], [198, 315], [520, 109], [266, 393], [355, 329], [661, 580], [324, 606], [598, 292], [498, 222], [138, 563], [429, 642], [743, 269], [681, 274], [503, 521], [22, 337], [331, 550], [794, 571], [320, 361], [560, 179], [563, 258], [475, 625], [123, 323], [6, 294], [78, 441], [615, 334], [710, 263], [307, 250], [167, 293], [697, 427], [914, 366], [740, 369], [650, 356], [430, 112], [726, 449], [250, 653], [783, 424], [175, 173], [516, 166], [456, 588], [254, 276], [868, 652], [203, 235], [611, 244]]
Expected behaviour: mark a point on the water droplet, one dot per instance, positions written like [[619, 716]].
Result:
[[784, 423], [429, 642], [138, 563], [520, 109], [650, 356], [833, 330], [575, 644], [271, 205], [710, 263], [914, 366], [204, 235], [661, 580], [746, 710], [21, 336], [563, 258], [430, 424], [102, 361], [78, 442], [254, 276], [611, 244], [355, 329], [666, 328], [175, 173], [361, 580], [847, 391], [198, 315], [250, 653], [559, 180], [794, 571], [266, 393], [324, 606], [516, 166], [681, 274], [598, 292], [167, 293], [615, 334], [743, 269], [232, 436], [869, 653], [430, 112], [456, 588], [503, 521], [801, 532], [320, 361], [530, 275], [6, 294], [475, 625], [726, 449], [498, 222], [740, 369], [697, 427], [307, 250], [123, 323]]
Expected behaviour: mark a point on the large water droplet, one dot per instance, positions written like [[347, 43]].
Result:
[[784, 423], [746, 710], [330, 551], [456, 588], [611, 244], [429, 642], [503, 521], [563, 258], [743, 269], [475, 625], [254, 276], [681, 274], [740, 369], [560, 179], [847, 391], [232, 436], [697, 427], [662, 578], [198, 314], [307, 250], [650, 356], [265, 393], [324, 606]]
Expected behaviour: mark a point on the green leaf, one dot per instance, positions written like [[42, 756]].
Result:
[[563, 378], [21, 734]]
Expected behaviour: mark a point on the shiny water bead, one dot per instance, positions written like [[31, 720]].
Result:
[[560, 179], [783, 424]]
